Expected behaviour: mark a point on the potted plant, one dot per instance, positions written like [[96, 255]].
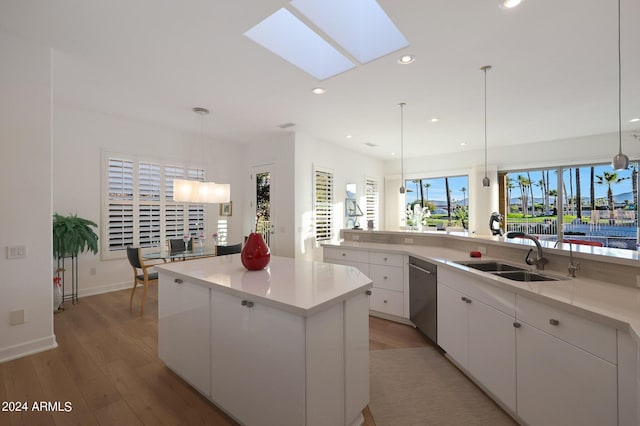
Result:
[[73, 235]]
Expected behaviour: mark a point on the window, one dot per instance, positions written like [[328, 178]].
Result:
[[323, 205], [139, 209], [590, 203], [372, 197], [437, 202]]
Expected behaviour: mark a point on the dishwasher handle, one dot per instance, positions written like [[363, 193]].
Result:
[[420, 269]]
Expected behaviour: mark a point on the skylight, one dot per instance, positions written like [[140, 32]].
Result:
[[361, 27], [286, 36]]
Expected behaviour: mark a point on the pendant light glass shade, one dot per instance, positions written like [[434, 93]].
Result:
[[620, 161], [184, 190], [486, 182], [402, 188]]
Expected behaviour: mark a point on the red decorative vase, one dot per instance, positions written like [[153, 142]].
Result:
[[255, 253]]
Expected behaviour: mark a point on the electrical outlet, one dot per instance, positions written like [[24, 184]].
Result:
[[482, 250], [355, 237], [408, 240], [16, 317]]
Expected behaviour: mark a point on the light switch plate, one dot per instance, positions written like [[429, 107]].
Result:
[[16, 252]]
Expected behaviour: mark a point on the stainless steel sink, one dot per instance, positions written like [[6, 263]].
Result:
[[526, 276], [491, 266]]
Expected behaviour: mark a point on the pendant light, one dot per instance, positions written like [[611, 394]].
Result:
[[486, 182], [402, 188], [620, 161]]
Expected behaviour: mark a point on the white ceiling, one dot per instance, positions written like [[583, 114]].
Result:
[[554, 70]]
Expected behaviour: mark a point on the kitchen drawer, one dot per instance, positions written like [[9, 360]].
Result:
[[348, 255], [386, 259], [389, 277], [362, 267], [593, 337], [498, 298], [387, 301]]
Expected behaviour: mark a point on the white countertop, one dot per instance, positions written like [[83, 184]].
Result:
[[611, 304], [298, 286]]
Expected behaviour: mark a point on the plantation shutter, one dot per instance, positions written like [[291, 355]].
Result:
[[372, 201], [323, 205], [120, 203], [149, 185]]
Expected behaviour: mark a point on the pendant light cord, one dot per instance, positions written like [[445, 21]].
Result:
[[619, 86], [485, 121]]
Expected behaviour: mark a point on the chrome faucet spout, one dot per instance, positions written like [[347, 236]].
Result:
[[539, 261]]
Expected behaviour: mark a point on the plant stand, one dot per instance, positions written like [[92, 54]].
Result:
[[73, 296]]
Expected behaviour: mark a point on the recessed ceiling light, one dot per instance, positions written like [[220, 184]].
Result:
[[349, 136], [509, 4], [435, 119], [406, 59], [318, 91], [393, 153], [634, 120], [463, 143]]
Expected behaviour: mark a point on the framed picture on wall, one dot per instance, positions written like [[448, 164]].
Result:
[[226, 208]]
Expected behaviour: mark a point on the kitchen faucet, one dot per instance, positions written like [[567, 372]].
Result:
[[573, 267], [539, 261]]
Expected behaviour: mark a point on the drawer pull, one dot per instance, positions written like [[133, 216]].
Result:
[[385, 277], [247, 303], [368, 292], [465, 299], [554, 321], [344, 254], [177, 281], [385, 259], [385, 301], [516, 324]]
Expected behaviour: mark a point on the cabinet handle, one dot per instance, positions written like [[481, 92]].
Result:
[[344, 254], [385, 277], [464, 299], [516, 324], [385, 301], [385, 259], [368, 292], [177, 281], [554, 321], [468, 300], [247, 303]]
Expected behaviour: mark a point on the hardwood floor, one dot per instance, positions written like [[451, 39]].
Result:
[[107, 367]]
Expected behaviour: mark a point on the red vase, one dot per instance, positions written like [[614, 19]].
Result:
[[255, 253]]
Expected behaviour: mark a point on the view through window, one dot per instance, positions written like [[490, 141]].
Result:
[[437, 203], [597, 205]]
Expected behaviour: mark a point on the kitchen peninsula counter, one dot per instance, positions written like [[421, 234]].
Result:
[[287, 345]]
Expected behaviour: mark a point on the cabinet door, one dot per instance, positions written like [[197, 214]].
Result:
[[560, 384], [492, 351], [184, 306], [230, 354], [453, 324], [356, 369], [277, 367]]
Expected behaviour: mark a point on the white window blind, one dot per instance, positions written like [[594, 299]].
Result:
[[372, 202], [323, 205], [139, 209]]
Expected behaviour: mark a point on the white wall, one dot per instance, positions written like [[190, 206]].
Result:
[[275, 151], [25, 184], [80, 138], [348, 167], [575, 151]]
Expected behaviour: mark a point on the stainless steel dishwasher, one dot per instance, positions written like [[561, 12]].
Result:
[[423, 297]]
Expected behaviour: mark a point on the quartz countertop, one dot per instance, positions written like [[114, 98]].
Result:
[[301, 287], [611, 304]]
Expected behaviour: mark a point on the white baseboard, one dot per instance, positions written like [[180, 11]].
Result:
[[28, 348], [104, 289]]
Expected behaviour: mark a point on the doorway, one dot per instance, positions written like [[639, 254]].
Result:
[[264, 205]]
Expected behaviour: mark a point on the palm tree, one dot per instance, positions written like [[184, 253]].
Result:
[[510, 187], [554, 193], [578, 194], [609, 179], [446, 184], [426, 188], [533, 200], [464, 196], [523, 183], [592, 189]]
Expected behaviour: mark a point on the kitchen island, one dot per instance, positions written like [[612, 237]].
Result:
[[287, 345]]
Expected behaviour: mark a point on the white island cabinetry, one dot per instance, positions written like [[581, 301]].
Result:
[[284, 346]]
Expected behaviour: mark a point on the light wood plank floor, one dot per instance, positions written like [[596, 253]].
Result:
[[107, 367]]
